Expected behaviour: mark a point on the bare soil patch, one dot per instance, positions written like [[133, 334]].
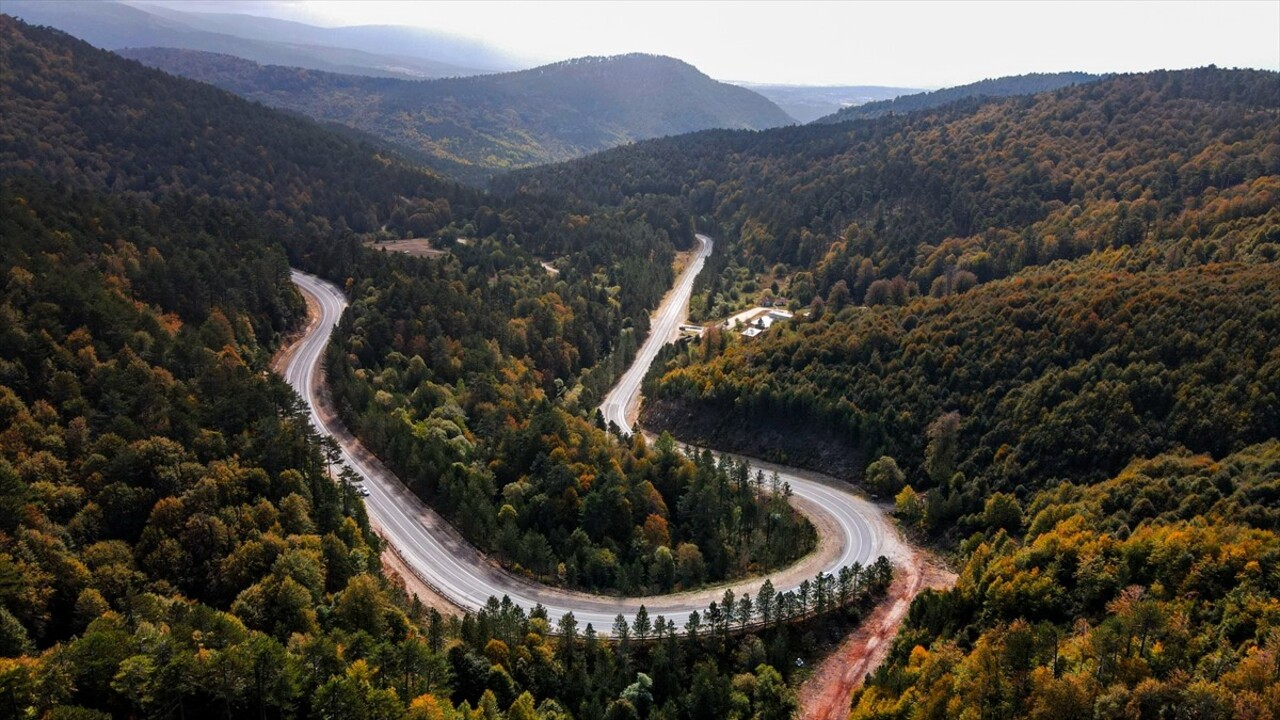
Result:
[[417, 247], [826, 694]]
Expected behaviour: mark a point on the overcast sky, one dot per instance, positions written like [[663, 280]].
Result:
[[914, 44]]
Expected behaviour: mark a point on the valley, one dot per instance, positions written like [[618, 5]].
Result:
[[356, 371], [471, 128]]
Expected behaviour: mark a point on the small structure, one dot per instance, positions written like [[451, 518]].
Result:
[[757, 320]]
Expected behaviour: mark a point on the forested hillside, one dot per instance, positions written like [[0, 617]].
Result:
[[171, 541], [991, 88], [481, 360], [1046, 328], [469, 128], [1065, 371], [94, 120], [967, 194], [167, 524], [1146, 595]]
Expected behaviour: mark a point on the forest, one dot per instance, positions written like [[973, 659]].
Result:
[[1146, 595], [931, 203], [1044, 326], [1066, 371], [457, 381], [171, 542]]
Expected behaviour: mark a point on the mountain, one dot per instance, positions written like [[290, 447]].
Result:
[[999, 87], [1050, 319], [149, 132], [114, 25], [891, 209], [395, 40], [470, 128], [807, 103]]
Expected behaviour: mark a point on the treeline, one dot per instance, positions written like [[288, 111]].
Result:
[[825, 594], [1029, 84], [1147, 595]]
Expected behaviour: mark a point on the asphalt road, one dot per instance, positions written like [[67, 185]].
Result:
[[854, 529], [624, 398]]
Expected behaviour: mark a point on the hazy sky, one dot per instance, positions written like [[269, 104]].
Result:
[[917, 44]]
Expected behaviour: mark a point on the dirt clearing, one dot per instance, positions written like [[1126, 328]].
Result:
[[825, 695]]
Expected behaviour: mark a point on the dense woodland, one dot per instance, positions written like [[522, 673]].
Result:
[[455, 375], [1150, 595], [90, 119], [1067, 371], [171, 540], [471, 374], [1045, 326], [930, 203], [1035, 323], [168, 527], [473, 127]]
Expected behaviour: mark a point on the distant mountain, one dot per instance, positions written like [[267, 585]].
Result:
[[470, 128], [999, 87], [807, 103], [373, 51], [394, 40]]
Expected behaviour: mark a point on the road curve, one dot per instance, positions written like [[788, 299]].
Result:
[[856, 530]]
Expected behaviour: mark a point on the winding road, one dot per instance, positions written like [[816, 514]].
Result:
[[851, 528]]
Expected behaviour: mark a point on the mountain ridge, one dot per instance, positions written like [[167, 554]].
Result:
[[115, 25], [390, 40], [1008, 86], [469, 128]]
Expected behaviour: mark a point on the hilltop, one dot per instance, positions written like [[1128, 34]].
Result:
[[469, 128], [1029, 84]]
